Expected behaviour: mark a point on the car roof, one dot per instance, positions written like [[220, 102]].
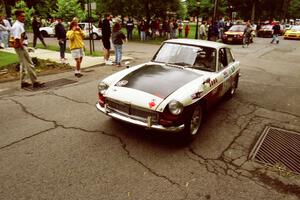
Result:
[[205, 43]]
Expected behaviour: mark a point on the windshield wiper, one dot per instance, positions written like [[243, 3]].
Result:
[[182, 64]]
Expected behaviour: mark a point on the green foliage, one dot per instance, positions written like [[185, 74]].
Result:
[[294, 11], [68, 9], [7, 59], [21, 5]]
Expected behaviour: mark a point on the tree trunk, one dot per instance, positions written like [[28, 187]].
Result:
[[284, 9], [253, 10]]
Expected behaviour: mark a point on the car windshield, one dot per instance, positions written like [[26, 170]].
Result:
[[197, 57], [237, 28], [296, 28]]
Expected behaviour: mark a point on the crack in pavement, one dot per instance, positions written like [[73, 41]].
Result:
[[255, 175], [123, 144], [70, 99]]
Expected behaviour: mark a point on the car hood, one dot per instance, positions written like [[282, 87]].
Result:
[[157, 80]]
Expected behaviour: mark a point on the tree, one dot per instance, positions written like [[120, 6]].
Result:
[[138, 8], [68, 9]]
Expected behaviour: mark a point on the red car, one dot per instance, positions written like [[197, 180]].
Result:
[[235, 35]]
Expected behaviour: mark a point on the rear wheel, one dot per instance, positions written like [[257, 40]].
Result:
[[193, 124], [233, 88], [44, 34]]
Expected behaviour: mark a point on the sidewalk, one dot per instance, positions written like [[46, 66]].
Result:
[[88, 61]]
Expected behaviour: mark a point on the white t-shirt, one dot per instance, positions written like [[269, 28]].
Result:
[[18, 32]]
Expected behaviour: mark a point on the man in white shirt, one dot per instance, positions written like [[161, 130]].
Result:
[[20, 45], [202, 31]]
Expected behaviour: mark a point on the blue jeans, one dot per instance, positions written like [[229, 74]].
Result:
[[275, 38], [118, 53], [143, 35], [5, 39]]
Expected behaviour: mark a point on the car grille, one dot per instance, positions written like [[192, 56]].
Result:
[[131, 111]]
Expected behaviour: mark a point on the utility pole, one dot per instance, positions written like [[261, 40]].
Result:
[[197, 21]]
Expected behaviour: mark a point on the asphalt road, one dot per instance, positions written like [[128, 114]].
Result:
[[54, 144]]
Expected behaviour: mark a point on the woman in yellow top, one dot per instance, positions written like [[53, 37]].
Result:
[[76, 36]]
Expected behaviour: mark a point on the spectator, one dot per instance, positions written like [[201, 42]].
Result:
[[106, 34], [20, 46], [60, 33], [76, 36], [4, 31], [186, 30], [213, 32], [143, 30], [174, 29], [36, 32], [202, 31], [129, 28], [117, 38], [180, 28]]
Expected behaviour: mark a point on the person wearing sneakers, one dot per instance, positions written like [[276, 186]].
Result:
[[20, 46], [76, 36], [106, 33], [117, 38], [60, 33]]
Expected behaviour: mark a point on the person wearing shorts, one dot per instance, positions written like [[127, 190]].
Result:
[[76, 36], [106, 34]]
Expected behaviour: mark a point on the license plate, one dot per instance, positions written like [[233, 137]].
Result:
[[229, 39]]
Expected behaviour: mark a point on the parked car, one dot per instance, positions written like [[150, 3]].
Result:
[[95, 33], [293, 33], [235, 34], [172, 91], [265, 31], [48, 31]]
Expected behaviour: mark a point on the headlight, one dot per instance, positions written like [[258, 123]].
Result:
[[175, 107], [102, 87]]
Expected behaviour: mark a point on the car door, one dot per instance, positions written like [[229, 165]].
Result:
[[226, 70]]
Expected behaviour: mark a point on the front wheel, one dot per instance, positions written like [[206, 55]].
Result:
[[94, 36], [193, 124]]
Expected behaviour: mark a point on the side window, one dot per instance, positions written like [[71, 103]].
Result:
[[222, 59], [229, 56]]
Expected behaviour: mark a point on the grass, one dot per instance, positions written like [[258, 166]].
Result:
[[7, 59], [56, 48]]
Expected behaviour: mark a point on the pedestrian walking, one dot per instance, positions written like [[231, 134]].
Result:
[[60, 33], [20, 46], [276, 32], [106, 34], [36, 24], [4, 29], [129, 28], [118, 38], [247, 34], [76, 36]]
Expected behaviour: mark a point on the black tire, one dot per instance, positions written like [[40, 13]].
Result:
[[193, 123], [230, 93], [44, 34], [94, 36]]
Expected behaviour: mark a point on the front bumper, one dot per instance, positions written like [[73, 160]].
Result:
[[126, 118]]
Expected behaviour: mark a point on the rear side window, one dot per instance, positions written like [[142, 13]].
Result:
[[229, 56]]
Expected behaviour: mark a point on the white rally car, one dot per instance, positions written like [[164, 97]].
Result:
[[173, 90]]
